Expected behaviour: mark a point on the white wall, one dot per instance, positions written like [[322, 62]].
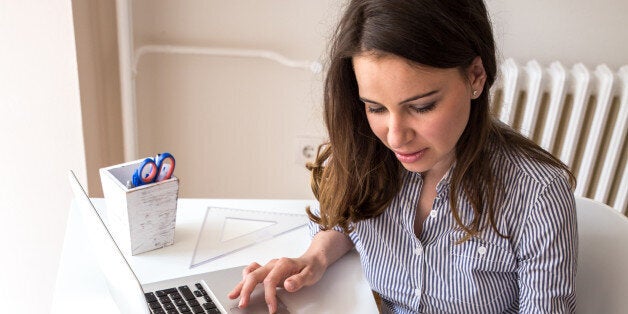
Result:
[[233, 122], [41, 139], [570, 31]]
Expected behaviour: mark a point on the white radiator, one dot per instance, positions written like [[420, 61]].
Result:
[[580, 116]]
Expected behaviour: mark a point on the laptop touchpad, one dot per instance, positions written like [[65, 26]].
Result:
[[257, 304]]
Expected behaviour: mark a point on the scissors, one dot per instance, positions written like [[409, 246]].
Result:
[[154, 170]]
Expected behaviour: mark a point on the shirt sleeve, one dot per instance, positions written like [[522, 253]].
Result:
[[548, 252], [314, 228]]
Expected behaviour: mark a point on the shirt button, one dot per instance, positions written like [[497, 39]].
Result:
[[417, 292], [418, 250], [482, 250], [433, 213]]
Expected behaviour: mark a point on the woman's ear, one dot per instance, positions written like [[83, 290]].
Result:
[[476, 76]]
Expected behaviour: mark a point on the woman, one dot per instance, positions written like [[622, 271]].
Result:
[[450, 211]]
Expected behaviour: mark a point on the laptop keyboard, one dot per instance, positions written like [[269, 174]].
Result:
[[181, 300]]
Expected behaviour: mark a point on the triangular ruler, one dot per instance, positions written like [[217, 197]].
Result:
[[226, 230]]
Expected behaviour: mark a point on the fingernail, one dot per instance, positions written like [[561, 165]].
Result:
[[240, 304], [270, 309]]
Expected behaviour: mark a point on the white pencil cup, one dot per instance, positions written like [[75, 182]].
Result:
[[139, 218]]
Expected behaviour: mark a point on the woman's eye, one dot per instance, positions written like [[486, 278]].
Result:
[[375, 109], [424, 109]]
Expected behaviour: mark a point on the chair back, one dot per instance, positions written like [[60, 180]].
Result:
[[602, 279]]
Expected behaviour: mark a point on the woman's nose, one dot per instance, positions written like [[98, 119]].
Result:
[[399, 132]]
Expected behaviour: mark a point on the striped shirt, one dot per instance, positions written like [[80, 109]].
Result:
[[531, 271]]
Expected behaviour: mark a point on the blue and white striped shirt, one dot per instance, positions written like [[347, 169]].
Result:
[[532, 271]]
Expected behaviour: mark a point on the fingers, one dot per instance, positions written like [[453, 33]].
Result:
[[249, 269], [283, 268], [250, 280], [270, 294], [238, 288], [295, 282], [305, 277], [236, 291], [292, 274]]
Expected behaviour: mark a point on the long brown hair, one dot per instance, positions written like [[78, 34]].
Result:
[[355, 176]]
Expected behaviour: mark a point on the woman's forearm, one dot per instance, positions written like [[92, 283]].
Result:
[[327, 247]]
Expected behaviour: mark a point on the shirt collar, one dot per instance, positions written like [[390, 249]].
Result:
[[443, 184]]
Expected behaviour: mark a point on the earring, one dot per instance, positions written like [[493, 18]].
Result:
[[475, 93]]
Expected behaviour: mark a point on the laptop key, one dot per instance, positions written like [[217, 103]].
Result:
[[164, 300], [159, 311], [209, 305], [150, 297], [213, 311], [169, 306], [198, 293], [164, 292], [179, 302], [197, 310], [154, 305], [174, 295], [184, 309], [187, 293], [193, 303], [198, 285], [174, 311]]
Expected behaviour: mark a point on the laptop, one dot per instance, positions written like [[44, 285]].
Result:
[[202, 293], [342, 289]]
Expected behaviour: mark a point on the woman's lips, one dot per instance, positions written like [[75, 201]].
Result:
[[410, 158]]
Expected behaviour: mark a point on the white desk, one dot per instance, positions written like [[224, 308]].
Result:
[[80, 285]]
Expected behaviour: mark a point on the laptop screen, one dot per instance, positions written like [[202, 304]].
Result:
[[123, 285]]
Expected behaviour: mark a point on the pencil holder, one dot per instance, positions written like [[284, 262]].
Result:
[[139, 218]]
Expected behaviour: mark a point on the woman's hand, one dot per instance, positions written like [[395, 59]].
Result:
[[291, 273]]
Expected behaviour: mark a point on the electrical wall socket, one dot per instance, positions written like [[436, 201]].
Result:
[[306, 147]]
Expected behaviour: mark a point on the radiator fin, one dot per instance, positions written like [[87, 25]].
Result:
[[578, 115]]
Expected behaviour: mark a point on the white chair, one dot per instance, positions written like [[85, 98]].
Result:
[[602, 279]]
